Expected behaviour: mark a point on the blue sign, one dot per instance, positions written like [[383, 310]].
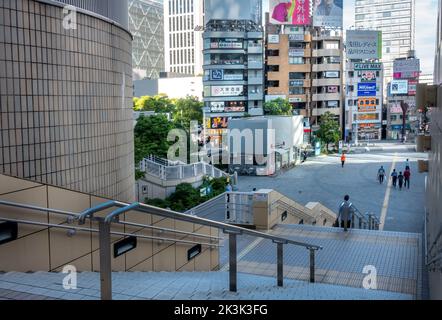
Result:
[[216, 74], [366, 89]]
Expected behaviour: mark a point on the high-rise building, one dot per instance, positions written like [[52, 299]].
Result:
[[146, 23], [233, 63], [396, 20], [183, 42], [66, 95]]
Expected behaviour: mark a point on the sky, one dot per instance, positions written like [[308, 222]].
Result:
[[426, 21]]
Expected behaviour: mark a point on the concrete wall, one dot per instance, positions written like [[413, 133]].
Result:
[[66, 99], [43, 249]]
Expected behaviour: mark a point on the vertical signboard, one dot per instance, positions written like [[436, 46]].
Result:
[[364, 44]]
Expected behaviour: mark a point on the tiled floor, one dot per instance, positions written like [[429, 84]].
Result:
[[179, 286]]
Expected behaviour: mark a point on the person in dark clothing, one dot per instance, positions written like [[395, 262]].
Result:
[[394, 177], [346, 211], [400, 180], [407, 175]]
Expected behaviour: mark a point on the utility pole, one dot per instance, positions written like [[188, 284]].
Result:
[[404, 107]]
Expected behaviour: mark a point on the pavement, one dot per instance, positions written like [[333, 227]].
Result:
[[178, 286]]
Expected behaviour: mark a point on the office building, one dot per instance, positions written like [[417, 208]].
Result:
[[233, 63], [66, 95], [146, 23], [183, 42], [396, 20]]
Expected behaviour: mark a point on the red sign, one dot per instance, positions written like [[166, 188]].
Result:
[[412, 84]]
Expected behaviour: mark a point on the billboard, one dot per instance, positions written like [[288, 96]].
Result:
[[367, 76], [273, 38], [412, 85], [294, 12], [226, 91], [328, 13], [406, 68], [230, 106], [368, 66], [364, 44], [332, 74], [399, 87], [368, 116], [233, 10], [366, 104], [219, 123], [366, 89]]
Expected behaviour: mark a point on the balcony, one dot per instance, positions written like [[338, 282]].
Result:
[[326, 67], [321, 111], [256, 80], [326, 96], [326, 82], [255, 65], [300, 68], [255, 96], [254, 49], [326, 53]]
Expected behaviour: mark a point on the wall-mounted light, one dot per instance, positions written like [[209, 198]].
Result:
[[124, 246], [8, 231], [284, 216], [193, 252]]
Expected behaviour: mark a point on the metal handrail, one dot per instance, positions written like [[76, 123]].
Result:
[[204, 204], [294, 211], [136, 206], [52, 225], [232, 231], [105, 205]]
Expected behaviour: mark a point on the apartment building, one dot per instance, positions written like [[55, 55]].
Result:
[[305, 66]]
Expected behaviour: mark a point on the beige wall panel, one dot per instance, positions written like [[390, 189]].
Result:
[[202, 261], [189, 267], [202, 229], [138, 217], [118, 264], [81, 264], [65, 249], [165, 260], [67, 200], [157, 244], [143, 250], [35, 196], [114, 228], [144, 266], [181, 252], [184, 226], [10, 184], [214, 259], [30, 253]]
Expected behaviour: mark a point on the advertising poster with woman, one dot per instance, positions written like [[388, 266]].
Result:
[[294, 12]]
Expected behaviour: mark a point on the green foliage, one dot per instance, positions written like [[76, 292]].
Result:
[[278, 107], [186, 110], [138, 174], [150, 135], [159, 104], [328, 129], [186, 196]]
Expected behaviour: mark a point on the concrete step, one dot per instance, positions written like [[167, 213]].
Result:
[[180, 286], [396, 257]]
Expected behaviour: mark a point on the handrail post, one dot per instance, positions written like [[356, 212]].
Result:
[[105, 260], [232, 262], [312, 265], [280, 259]]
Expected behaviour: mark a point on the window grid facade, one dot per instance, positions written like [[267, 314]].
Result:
[[65, 100], [183, 43], [396, 20]]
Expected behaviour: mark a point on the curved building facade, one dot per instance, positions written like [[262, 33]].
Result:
[[66, 95]]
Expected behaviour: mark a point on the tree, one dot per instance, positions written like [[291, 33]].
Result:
[[328, 129], [186, 110], [150, 135], [278, 107], [159, 104]]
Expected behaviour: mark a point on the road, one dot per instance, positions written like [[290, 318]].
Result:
[[322, 179]]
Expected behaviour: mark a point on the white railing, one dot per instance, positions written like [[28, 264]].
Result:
[[178, 171]]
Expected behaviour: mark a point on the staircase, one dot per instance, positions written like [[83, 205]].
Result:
[[178, 286]]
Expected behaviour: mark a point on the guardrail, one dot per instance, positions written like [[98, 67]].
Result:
[[232, 231]]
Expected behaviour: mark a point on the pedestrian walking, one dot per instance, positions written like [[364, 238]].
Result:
[[407, 175], [407, 165], [343, 159], [346, 210], [394, 177], [400, 179], [381, 174]]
